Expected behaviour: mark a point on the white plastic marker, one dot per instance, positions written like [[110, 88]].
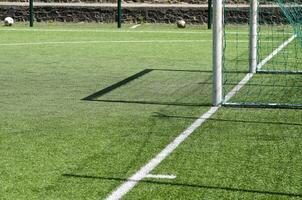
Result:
[[160, 176], [135, 26], [145, 170]]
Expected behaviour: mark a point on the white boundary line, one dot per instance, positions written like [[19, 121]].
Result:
[[100, 30], [104, 41], [112, 31], [115, 41], [160, 176], [145, 170]]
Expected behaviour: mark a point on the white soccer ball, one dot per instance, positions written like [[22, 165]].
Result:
[[8, 21], [181, 23]]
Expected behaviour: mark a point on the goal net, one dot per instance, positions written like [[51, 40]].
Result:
[[258, 53]]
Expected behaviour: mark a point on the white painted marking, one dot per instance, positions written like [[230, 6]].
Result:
[[135, 26], [96, 30], [104, 41], [145, 170], [115, 41], [246, 78], [107, 31], [160, 176], [276, 51], [113, 31]]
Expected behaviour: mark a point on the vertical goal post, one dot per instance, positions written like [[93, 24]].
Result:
[[217, 51], [218, 41], [253, 36]]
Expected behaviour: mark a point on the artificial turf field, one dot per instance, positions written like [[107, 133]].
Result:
[[62, 136]]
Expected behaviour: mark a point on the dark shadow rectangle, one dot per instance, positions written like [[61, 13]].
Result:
[[152, 102], [95, 96], [230, 189], [117, 85]]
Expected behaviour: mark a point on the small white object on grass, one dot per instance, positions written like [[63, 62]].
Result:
[[160, 176], [181, 23], [8, 21], [135, 26]]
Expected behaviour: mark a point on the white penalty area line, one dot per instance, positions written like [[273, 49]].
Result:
[[103, 41], [115, 31], [100, 30], [114, 41], [145, 170], [200, 32], [152, 164]]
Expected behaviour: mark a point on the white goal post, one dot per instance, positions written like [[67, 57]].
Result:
[[218, 42]]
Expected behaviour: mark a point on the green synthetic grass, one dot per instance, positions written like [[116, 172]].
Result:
[[54, 145], [237, 154]]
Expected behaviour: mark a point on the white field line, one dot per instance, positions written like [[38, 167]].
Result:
[[112, 31], [246, 78], [201, 32], [135, 26], [145, 170], [160, 176], [276, 51], [103, 41], [115, 41]]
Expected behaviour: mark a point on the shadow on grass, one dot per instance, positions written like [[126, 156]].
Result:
[[95, 96], [117, 85], [153, 103], [161, 115], [230, 189]]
